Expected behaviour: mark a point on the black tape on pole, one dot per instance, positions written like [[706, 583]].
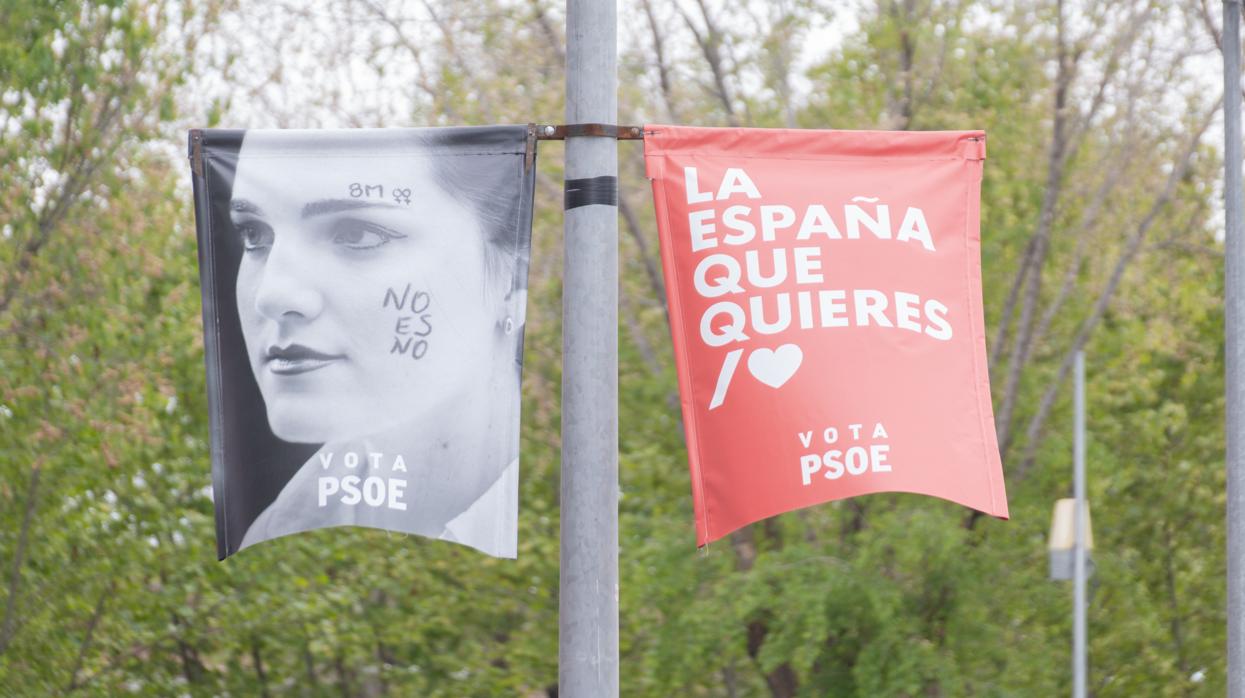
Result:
[[591, 190]]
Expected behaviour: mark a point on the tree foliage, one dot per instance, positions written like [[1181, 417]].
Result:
[[1099, 232]]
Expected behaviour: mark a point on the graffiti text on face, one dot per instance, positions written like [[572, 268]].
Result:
[[413, 325]]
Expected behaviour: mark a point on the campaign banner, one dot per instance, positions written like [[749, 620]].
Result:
[[364, 295], [825, 306]]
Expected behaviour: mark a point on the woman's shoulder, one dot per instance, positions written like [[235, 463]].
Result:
[[490, 523], [295, 509]]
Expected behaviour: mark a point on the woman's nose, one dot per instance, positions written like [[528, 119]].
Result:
[[288, 288]]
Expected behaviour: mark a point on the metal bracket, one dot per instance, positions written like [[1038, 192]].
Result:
[[560, 132], [529, 154], [975, 148], [196, 151]]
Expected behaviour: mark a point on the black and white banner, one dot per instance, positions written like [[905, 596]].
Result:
[[363, 300]]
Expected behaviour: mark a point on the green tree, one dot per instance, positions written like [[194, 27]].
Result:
[[1098, 232]]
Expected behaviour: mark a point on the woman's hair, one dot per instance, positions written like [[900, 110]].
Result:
[[487, 183]]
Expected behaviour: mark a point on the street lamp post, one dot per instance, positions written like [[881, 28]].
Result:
[[1071, 538]]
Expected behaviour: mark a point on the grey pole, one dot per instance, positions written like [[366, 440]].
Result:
[[588, 595], [1079, 630], [1234, 350]]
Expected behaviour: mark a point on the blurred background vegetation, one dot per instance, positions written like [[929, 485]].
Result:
[[1101, 229]]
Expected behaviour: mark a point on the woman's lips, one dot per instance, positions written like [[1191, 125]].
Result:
[[296, 358]]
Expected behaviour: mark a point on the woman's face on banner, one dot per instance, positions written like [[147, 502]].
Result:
[[361, 291]]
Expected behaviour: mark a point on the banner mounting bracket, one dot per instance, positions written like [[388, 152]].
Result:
[[196, 151], [529, 154], [560, 132]]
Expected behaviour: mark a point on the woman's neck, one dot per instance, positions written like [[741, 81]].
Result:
[[447, 459]]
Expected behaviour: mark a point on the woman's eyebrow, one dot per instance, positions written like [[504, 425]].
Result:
[[324, 206]]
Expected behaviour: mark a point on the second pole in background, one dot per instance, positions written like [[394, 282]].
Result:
[[588, 595], [1080, 635]]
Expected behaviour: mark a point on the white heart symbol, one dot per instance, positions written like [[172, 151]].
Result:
[[774, 367]]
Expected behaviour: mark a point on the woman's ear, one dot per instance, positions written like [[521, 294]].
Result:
[[514, 312], [516, 305]]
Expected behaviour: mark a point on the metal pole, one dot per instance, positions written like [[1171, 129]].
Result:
[[588, 595], [1234, 350], [1079, 630]]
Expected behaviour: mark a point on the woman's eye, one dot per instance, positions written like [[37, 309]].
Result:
[[255, 236], [362, 235]]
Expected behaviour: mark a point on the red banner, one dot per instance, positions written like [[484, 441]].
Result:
[[825, 303]]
